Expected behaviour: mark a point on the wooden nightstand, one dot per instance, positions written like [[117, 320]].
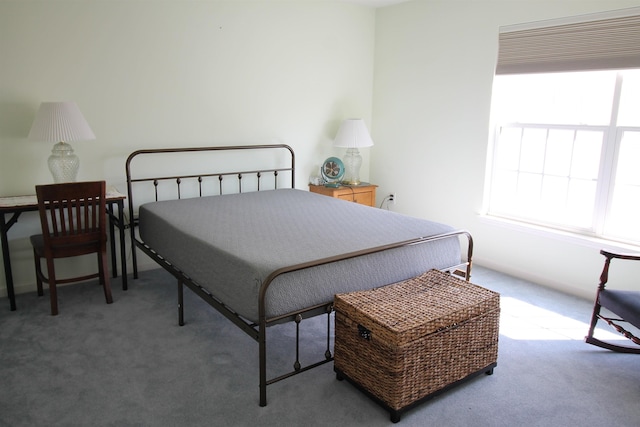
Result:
[[365, 194]]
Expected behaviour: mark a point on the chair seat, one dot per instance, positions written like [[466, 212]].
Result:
[[37, 241], [63, 251], [625, 304]]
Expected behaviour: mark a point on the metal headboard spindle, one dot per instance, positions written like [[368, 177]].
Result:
[[200, 177]]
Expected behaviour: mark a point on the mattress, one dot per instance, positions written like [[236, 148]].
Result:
[[229, 245]]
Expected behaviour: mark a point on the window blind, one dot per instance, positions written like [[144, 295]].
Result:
[[594, 44]]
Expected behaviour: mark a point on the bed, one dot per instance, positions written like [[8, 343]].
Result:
[[263, 252]]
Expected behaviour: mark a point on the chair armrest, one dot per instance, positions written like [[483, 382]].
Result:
[[630, 256]]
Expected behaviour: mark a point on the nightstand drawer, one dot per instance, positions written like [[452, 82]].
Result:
[[366, 198], [362, 194]]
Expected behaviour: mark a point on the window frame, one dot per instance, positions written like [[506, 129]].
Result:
[[604, 192]]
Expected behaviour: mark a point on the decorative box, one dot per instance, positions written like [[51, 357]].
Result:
[[409, 341]]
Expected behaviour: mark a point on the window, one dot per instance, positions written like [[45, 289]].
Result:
[[565, 144], [566, 151]]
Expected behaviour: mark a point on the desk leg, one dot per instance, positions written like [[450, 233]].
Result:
[[121, 233], [8, 274]]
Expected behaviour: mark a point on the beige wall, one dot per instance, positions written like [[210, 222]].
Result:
[[176, 73], [434, 65]]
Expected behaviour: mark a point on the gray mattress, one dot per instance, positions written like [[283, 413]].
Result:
[[229, 244]]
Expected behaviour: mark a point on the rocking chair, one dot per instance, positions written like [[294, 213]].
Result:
[[624, 304]]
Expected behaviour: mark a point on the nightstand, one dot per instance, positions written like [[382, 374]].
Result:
[[365, 194]]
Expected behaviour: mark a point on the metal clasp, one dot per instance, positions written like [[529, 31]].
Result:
[[364, 333]]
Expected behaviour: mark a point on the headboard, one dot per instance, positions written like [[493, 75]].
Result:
[[205, 171]]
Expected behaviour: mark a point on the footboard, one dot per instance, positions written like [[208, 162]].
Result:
[[463, 269]]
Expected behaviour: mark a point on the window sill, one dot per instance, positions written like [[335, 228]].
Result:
[[559, 235]]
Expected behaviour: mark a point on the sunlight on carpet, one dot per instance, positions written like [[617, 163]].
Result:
[[520, 320]]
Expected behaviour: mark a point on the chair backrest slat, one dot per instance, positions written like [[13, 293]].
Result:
[[72, 213]]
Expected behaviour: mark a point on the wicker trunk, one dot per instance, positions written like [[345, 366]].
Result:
[[406, 342]]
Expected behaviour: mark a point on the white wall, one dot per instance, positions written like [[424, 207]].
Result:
[[176, 73], [434, 65], [166, 73]]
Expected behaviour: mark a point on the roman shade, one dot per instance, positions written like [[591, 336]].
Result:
[[590, 42]]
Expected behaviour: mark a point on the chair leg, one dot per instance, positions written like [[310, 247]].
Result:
[[53, 291], [104, 275], [613, 347], [38, 263], [590, 339], [594, 318]]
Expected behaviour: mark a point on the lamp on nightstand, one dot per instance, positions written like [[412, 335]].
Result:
[[61, 122], [352, 134]]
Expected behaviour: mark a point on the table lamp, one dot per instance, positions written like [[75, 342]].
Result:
[[61, 122], [352, 134]]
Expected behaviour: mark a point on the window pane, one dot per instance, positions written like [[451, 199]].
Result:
[[503, 190], [528, 196], [586, 155], [556, 178], [629, 113], [580, 202], [508, 149], [554, 196], [532, 156], [559, 152], [557, 98], [628, 172], [622, 220]]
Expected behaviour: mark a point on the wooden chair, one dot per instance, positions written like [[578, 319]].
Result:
[[624, 304], [73, 220]]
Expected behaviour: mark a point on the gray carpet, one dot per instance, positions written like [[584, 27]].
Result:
[[130, 364]]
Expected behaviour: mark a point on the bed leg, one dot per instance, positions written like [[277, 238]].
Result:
[[262, 350], [180, 303], [296, 365]]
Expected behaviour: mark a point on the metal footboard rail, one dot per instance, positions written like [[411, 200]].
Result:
[[259, 331], [263, 321]]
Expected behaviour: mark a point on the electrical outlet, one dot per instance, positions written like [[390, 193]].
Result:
[[392, 198]]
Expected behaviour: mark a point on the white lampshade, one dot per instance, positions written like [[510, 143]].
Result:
[[61, 122], [352, 134]]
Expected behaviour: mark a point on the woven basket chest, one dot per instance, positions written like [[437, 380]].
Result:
[[409, 341]]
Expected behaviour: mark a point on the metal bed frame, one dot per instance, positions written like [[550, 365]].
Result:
[[259, 331]]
